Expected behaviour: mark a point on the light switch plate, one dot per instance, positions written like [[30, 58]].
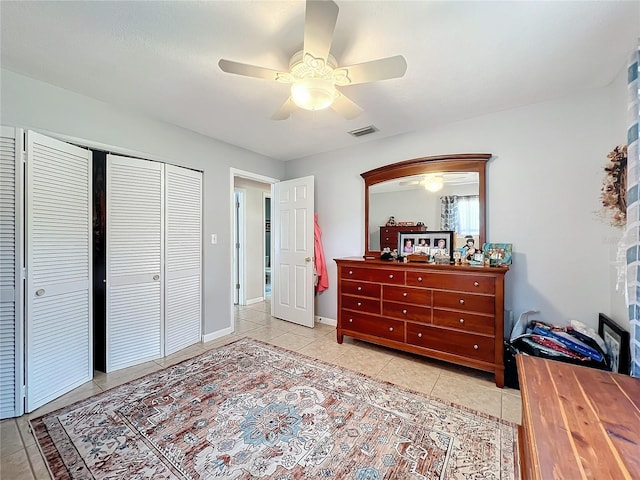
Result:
[[214, 238]]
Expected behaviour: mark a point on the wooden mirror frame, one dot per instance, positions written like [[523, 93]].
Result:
[[466, 162]]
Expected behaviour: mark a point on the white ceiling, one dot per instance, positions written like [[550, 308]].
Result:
[[464, 59]]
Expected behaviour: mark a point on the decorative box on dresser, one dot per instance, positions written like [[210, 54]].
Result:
[[389, 235], [449, 312]]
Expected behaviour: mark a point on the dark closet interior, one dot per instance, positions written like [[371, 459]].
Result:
[[99, 260]]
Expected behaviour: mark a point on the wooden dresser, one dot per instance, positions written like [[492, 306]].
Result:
[[578, 423], [389, 235], [450, 312]]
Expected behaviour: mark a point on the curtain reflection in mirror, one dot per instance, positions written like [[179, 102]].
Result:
[[460, 214]]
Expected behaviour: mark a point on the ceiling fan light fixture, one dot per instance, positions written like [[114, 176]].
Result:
[[313, 93], [434, 183]]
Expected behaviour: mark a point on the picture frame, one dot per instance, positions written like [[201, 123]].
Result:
[[498, 254], [617, 341], [426, 243]]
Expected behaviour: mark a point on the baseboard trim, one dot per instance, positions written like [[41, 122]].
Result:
[[327, 321], [215, 335], [255, 300]]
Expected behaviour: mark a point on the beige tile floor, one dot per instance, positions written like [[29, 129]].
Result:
[[21, 459]]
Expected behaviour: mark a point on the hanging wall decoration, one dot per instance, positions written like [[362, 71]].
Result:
[[614, 187]]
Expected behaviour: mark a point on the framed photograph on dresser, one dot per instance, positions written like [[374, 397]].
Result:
[[426, 243], [617, 341]]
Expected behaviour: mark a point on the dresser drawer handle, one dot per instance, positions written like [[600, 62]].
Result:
[[391, 275], [475, 347], [404, 294], [351, 320], [391, 329], [420, 335], [462, 320], [359, 304], [350, 272], [387, 239], [419, 279], [404, 311], [476, 284], [359, 289], [461, 301]]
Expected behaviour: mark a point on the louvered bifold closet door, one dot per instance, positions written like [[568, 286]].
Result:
[[59, 276], [135, 252], [183, 259], [10, 292]]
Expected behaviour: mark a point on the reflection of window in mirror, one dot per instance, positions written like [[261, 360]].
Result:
[[461, 214]]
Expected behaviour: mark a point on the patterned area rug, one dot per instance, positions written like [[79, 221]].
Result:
[[250, 410]]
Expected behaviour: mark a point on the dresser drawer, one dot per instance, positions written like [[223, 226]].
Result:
[[458, 343], [361, 304], [418, 296], [389, 237], [381, 275], [464, 321], [403, 310], [360, 288], [370, 325], [458, 282], [464, 301], [390, 244]]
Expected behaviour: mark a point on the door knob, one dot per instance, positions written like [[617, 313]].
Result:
[[156, 277], [40, 292], [307, 259]]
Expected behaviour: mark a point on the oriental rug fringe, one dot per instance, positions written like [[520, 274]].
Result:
[[249, 410]]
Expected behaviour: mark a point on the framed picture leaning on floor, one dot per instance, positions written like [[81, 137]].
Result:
[[617, 341]]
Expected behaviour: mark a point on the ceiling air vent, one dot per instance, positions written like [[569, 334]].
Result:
[[359, 132]]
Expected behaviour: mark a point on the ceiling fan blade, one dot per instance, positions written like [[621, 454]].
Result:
[[319, 24], [345, 107], [251, 70], [382, 69], [285, 110]]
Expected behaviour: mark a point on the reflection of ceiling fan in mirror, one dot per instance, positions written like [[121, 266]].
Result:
[[313, 72], [435, 181]]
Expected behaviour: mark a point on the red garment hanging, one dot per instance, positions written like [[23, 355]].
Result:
[[322, 282]]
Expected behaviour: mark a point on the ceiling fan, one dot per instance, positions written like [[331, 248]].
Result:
[[435, 181], [314, 73]]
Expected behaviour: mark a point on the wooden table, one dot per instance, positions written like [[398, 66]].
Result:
[[578, 422]]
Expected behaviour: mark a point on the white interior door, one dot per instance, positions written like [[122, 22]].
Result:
[[135, 261], [11, 316], [59, 277], [292, 266], [183, 267]]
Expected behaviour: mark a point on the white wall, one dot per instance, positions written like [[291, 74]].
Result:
[[39, 106], [254, 230], [543, 187], [619, 100]]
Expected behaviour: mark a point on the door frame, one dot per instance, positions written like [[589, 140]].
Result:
[[233, 173]]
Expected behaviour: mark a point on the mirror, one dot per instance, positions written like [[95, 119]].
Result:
[[412, 191]]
